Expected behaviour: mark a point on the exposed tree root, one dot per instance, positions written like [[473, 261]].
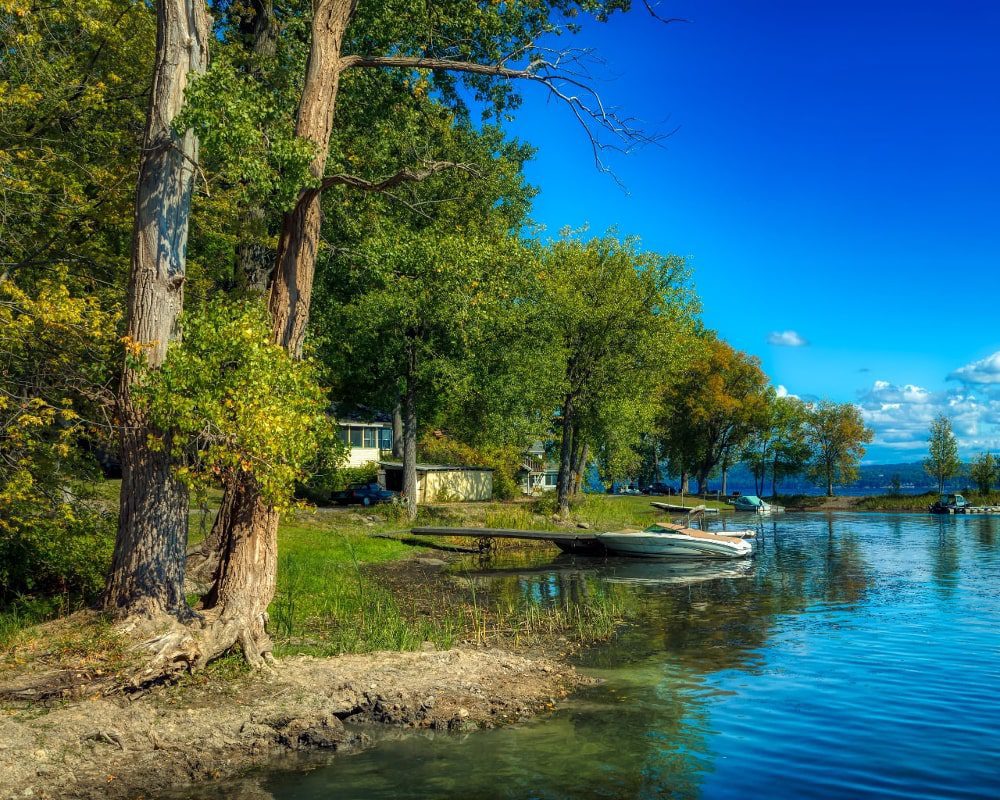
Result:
[[181, 649]]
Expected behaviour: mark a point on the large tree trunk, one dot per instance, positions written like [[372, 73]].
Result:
[[579, 463], [397, 429], [564, 482], [410, 487], [685, 477], [725, 479], [147, 572], [245, 576], [291, 291], [254, 257], [245, 569]]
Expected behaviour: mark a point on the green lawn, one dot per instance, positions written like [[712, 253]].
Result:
[[334, 594]]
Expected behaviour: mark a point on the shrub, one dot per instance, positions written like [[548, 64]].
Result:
[[67, 553], [235, 402], [333, 478]]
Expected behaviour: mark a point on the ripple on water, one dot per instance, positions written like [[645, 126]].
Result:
[[859, 657]]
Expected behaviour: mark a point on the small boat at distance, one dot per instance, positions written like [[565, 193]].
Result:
[[754, 505]]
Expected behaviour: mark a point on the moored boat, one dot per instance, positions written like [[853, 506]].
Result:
[[754, 505], [676, 541]]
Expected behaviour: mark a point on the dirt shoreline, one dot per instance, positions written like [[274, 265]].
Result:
[[115, 748]]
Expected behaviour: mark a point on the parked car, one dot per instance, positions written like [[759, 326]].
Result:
[[366, 494], [948, 503], [659, 488]]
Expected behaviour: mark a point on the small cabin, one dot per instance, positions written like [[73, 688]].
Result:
[[369, 438], [439, 483]]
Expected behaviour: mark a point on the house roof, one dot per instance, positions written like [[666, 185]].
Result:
[[362, 415], [434, 467]]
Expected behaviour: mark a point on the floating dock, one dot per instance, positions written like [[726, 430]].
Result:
[[969, 510], [567, 541], [673, 508]]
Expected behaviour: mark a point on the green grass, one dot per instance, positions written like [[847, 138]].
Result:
[[336, 594], [328, 602]]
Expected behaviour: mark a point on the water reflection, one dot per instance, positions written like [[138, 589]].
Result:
[[855, 656]]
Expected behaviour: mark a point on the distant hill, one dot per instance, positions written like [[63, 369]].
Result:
[[873, 479]]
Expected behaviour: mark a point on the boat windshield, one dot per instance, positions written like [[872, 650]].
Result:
[[751, 499]]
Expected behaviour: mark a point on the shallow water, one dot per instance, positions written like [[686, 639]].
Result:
[[855, 656]]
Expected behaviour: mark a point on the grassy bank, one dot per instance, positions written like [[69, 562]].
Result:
[[351, 581], [920, 502]]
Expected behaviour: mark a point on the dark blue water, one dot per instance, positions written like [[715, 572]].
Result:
[[858, 656]]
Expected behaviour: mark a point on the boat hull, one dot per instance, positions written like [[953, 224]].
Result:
[[671, 545]]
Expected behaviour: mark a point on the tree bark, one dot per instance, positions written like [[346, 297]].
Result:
[[725, 480], [397, 429], [147, 572], [685, 488], [410, 487], [246, 576], [579, 464], [564, 480]]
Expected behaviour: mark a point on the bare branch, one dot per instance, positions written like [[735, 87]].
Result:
[[564, 75], [651, 8]]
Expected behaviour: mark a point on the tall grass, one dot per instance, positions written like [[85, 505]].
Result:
[[327, 601]]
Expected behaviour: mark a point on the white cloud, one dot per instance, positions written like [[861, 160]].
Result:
[[984, 371], [781, 391], [786, 339], [901, 416]]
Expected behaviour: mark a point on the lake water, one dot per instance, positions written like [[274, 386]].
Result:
[[856, 656]]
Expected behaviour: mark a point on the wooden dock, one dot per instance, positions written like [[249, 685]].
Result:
[[567, 541], [673, 508]]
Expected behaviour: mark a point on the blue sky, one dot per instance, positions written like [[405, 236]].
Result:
[[833, 180]]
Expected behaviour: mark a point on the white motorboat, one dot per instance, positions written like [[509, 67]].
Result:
[[676, 541]]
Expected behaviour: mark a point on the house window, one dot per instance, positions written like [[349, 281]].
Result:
[[551, 478], [355, 437], [385, 439], [369, 437], [343, 432]]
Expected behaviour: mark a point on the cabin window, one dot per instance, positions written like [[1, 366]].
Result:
[[369, 437], [385, 439], [551, 478], [355, 437], [343, 433]]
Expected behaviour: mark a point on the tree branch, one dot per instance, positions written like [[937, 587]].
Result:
[[564, 77], [405, 175]]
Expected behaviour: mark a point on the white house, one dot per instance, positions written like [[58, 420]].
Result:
[[537, 473], [369, 439]]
